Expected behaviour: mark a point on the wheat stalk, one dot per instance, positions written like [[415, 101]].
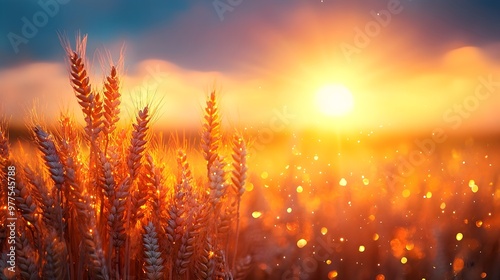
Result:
[[185, 252], [26, 257], [217, 181], [205, 263], [138, 142], [45, 201], [84, 201], [55, 258], [50, 155], [210, 137], [238, 176], [242, 268], [25, 203], [111, 102], [86, 221], [153, 266]]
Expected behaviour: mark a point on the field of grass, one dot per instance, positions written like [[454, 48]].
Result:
[[105, 199]]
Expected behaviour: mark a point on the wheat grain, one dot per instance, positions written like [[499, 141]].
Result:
[[185, 252], [50, 155], [205, 263], [89, 101], [153, 266], [26, 257], [45, 201], [55, 258], [242, 268], [217, 180], [25, 202], [111, 103], [210, 137], [238, 176], [221, 271], [138, 142]]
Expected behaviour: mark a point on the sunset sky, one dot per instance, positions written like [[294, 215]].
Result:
[[411, 66]]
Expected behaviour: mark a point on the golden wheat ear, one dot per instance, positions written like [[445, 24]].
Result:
[[210, 137], [111, 103], [89, 101], [153, 262], [138, 142], [238, 176]]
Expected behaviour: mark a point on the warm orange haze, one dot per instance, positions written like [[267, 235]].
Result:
[[250, 140]]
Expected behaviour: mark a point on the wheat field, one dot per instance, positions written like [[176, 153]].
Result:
[[98, 200], [107, 198]]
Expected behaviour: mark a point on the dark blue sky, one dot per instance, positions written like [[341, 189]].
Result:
[[438, 23]]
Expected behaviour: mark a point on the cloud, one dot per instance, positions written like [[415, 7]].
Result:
[[402, 78]]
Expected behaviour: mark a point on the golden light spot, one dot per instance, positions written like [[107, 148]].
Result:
[[316, 157], [361, 249], [428, 194], [333, 274], [301, 243], [410, 246], [300, 189], [264, 175], [249, 187], [404, 260], [458, 265], [371, 217], [343, 182], [328, 262], [211, 254], [479, 223], [380, 277], [366, 182], [406, 193], [289, 210], [442, 206], [342, 239], [324, 230], [376, 237], [472, 185], [256, 214], [459, 236]]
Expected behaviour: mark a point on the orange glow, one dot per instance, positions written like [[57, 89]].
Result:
[[333, 274], [458, 265]]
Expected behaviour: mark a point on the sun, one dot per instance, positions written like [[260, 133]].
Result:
[[334, 100]]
